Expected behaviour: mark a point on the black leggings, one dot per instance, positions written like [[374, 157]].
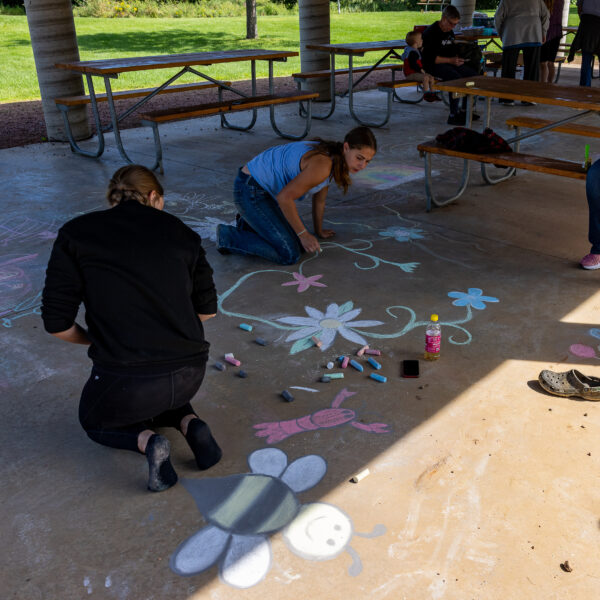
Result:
[[115, 407]]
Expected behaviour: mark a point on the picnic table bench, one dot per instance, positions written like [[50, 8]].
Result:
[[188, 63], [585, 100]]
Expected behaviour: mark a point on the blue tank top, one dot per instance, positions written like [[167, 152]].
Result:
[[274, 168]]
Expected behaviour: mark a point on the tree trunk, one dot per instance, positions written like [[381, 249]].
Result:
[[314, 29], [53, 39], [251, 25], [466, 9]]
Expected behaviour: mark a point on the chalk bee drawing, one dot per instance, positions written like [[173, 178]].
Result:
[[322, 419], [243, 509]]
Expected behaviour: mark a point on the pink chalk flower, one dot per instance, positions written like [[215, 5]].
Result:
[[304, 283], [582, 351]]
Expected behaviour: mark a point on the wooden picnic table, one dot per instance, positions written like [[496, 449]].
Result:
[[111, 69], [389, 49], [583, 100]]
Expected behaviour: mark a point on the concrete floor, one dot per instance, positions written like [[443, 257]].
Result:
[[480, 484]]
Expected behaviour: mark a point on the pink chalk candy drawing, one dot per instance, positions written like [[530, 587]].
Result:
[[582, 351], [234, 361], [322, 419], [304, 283], [373, 352], [362, 351]]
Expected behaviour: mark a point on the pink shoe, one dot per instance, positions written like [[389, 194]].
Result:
[[590, 261]]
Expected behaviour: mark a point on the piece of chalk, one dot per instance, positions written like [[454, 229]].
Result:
[[373, 363], [330, 365], [242, 374], [373, 352], [361, 351], [245, 327], [335, 375], [261, 342], [220, 366], [325, 379], [316, 341], [359, 476], [470, 84], [345, 362], [378, 377], [234, 361], [356, 365], [287, 396]]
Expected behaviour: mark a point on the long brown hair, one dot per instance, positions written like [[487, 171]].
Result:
[[133, 182], [359, 137]]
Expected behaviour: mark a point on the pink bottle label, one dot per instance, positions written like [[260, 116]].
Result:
[[432, 343]]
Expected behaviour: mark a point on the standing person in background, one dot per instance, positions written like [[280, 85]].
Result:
[[587, 38], [550, 46], [146, 286], [522, 25], [440, 59]]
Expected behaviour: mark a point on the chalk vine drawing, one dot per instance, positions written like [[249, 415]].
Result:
[[321, 419], [16, 300], [584, 351], [243, 509]]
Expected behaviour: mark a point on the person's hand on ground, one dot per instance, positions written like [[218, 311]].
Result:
[[326, 233], [309, 242]]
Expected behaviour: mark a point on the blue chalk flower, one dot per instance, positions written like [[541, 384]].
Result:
[[472, 298], [403, 234]]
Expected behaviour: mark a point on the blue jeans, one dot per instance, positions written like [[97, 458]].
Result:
[[585, 75], [592, 189], [262, 229]]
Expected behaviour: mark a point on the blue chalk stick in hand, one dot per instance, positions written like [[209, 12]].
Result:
[[261, 342], [245, 327], [242, 374], [356, 365], [378, 377], [287, 396], [373, 363], [220, 366]]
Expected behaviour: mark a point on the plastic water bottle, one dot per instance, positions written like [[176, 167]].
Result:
[[433, 338]]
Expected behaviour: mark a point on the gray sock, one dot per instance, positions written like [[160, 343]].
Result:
[[161, 474]]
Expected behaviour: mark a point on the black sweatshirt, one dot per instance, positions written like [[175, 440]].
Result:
[[143, 278], [437, 43]]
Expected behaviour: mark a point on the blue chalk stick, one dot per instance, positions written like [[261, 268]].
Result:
[[356, 365], [242, 374], [378, 377], [325, 379], [219, 366], [245, 327], [341, 358], [287, 396], [373, 363], [261, 341]]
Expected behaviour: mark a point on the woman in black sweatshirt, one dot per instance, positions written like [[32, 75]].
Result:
[[146, 286]]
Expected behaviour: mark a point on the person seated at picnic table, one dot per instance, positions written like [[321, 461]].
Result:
[[549, 48], [591, 261], [440, 59], [587, 39], [413, 66], [267, 188], [147, 288], [522, 25]]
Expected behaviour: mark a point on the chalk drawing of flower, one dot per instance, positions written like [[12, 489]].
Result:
[[336, 319], [403, 234], [472, 298], [206, 227], [304, 283]]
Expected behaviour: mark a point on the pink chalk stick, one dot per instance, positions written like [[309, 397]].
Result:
[[233, 361], [373, 352], [362, 351], [345, 362], [317, 342]]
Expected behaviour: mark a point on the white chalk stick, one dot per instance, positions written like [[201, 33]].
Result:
[[360, 476]]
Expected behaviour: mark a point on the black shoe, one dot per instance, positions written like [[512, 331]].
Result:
[[525, 103], [506, 102], [459, 119]]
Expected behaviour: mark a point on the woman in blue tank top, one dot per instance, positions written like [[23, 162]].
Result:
[[266, 190]]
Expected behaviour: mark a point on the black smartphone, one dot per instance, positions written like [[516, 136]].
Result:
[[410, 368]]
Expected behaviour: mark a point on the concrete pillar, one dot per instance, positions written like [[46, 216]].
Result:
[[314, 29], [53, 39], [466, 9], [565, 22]]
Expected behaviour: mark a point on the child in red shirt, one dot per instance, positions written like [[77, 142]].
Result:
[[413, 66]]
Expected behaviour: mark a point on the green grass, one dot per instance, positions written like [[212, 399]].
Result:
[[113, 38]]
